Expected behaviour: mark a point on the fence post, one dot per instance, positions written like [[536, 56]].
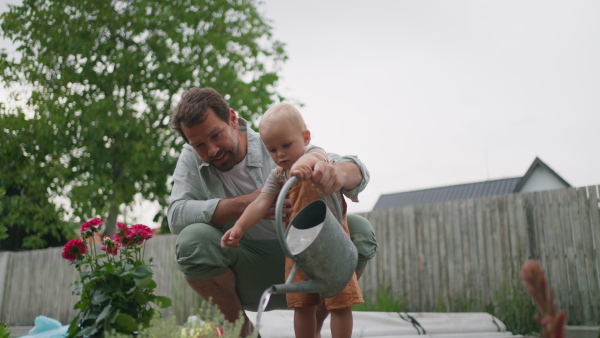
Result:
[[4, 259]]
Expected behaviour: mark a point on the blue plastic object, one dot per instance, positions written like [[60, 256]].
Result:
[[45, 327]]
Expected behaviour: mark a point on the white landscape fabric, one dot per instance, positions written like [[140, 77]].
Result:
[[279, 324]]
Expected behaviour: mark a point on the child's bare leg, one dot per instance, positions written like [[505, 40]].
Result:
[[341, 322], [305, 321]]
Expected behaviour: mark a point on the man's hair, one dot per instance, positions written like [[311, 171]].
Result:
[[283, 111], [193, 106]]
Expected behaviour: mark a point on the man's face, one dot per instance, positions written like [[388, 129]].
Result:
[[216, 141]]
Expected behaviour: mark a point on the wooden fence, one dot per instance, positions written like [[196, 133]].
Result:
[[437, 253], [39, 282], [429, 254]]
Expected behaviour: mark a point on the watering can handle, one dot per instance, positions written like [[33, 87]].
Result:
[[279, 213]]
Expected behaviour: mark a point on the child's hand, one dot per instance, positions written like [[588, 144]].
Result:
[[301, 170], [232, 237]]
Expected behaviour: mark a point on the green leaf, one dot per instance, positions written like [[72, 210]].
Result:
[[104, 313], [142, 271], [73, 327], [143, 282], [88, 331], [113, 315], [162, 302], [99, 297], [126, 322]]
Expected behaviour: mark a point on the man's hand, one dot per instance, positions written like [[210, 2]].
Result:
[[287, 211], [327, 178]]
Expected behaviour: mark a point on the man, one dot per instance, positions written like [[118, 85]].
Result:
[[219, 172]]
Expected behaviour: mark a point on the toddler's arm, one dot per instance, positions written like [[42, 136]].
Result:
[[252, 215]]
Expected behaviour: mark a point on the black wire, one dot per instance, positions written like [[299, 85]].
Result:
[[414, 322]]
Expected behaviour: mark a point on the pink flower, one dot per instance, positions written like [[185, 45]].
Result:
[[91, 225], [110, 246], [73, 249], [122, 235], [139, 233]]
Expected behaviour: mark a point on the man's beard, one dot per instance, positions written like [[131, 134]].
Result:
[[232, 160]]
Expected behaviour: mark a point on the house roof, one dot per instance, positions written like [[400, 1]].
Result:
[[538, 163], [454, 192], [461, 191]]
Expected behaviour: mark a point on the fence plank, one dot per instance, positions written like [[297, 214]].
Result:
[[465, 251], [585, 266], [559, 273], [429, 245], [482, 260], [594, 226], [444, 231]]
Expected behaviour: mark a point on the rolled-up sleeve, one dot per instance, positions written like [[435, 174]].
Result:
[[353, 193], [189, 202]]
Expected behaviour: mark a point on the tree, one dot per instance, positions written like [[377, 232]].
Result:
[[3, 234], [27, 210], [104, 75]]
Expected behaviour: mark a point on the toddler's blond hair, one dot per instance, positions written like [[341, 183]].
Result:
[[281, 112]]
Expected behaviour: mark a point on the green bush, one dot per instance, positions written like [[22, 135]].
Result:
[[4, 333], [385, 301], [509, 302], [514, 307]]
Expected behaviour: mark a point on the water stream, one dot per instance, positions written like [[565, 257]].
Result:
[[298, 240], [262, 305]]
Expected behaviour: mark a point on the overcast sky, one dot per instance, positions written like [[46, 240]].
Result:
[[435, 93]]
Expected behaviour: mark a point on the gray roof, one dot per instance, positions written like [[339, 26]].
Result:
[[462, 191], [454, 192]]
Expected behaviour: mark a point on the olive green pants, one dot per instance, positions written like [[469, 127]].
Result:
[[256, 264]]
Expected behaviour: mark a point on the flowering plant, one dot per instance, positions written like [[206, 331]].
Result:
[[117, 286], [536, 283]]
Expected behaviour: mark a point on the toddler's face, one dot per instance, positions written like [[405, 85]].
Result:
[[285, 143]]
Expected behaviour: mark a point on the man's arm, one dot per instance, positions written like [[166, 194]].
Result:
[[231, 209], [347, 173], [191, 202]]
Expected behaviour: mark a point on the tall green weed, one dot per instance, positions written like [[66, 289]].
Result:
[[385, 301]]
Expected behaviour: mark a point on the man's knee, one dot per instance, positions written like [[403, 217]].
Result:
[[198, 253], [363, 237]]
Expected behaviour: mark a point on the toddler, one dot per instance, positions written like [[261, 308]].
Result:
[[284, 133]]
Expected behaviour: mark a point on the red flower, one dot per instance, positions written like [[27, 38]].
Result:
[[73, 249], [91, 225], [122, 235], [139, 233], [110, 246]]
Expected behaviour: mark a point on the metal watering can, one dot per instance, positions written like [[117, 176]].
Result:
[[317, 243]]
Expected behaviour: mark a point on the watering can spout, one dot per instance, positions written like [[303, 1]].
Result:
[[310, 286]]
